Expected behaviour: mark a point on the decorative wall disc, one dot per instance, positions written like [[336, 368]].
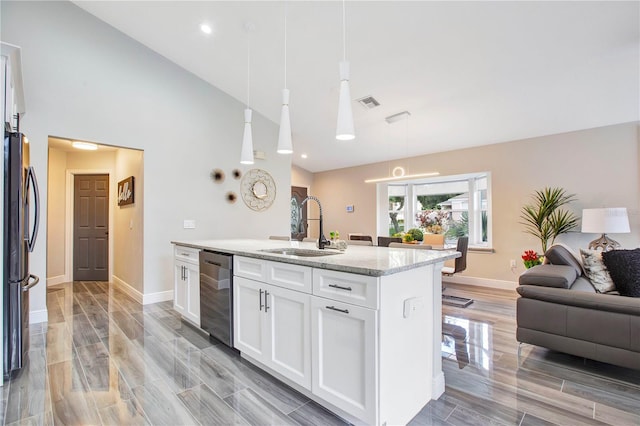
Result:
[[258, 189], [217, 175], [231, 197]]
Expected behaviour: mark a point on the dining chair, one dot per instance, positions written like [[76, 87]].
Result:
[[385, 241], [460, 265], [360, 243], [461, 262], [361, 238]]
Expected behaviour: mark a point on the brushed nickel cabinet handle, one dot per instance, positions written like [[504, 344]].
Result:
[[339, 287], [333, 308]]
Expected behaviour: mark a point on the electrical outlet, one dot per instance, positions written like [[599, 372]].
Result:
[[512, 263], [189, 224]]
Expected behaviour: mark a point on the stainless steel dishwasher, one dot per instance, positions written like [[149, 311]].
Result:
[[216, 295]]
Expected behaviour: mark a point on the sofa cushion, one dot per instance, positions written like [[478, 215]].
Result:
[[624, 268], [560, 255], [596, 301], [560, 276], [583, 284], [596, 271]]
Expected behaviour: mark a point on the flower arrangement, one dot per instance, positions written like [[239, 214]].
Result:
[[433, 221], [531, 259], [334, 235]]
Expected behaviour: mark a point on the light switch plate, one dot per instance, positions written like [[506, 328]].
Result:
[[189, 224]]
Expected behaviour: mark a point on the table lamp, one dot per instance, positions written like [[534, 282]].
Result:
[[605, 221]]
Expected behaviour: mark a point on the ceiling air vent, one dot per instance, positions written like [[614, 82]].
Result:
[[368, 102]]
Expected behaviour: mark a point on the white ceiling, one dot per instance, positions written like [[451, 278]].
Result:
[[470, 73]]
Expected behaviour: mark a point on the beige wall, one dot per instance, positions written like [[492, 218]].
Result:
[[128, 229], [55, 215], [599, 165], [126, 222], [60, 162]]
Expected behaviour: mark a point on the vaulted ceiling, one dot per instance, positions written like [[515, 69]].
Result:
[[469, 73]]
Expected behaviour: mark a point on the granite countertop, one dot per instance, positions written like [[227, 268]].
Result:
[[372, 261]]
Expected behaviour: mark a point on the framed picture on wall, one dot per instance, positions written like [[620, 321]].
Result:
[[125, 191]]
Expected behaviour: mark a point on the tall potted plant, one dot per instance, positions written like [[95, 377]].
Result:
[[545, 219]]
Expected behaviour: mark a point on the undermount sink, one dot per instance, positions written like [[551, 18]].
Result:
[[300, 252]]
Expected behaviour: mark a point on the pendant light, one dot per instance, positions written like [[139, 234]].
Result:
[[246, 154], [344, 129], [285, 145]]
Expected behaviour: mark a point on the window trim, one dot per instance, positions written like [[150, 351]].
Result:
[[382, 192]]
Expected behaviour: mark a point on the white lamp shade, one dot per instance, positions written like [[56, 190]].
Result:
[[344, 129], [285, 145], [605, 221], [246, 155]]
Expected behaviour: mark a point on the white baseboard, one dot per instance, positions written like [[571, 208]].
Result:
[[36, 317], [56, 280], [481, 282], [142, 298], [156, 297], [127, 288]]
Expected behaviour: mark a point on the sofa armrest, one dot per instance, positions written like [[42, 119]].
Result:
[[600, 302], [559, 276]]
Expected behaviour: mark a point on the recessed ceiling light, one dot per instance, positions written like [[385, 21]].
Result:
[[84, 145], [303, 155], [205, 28]]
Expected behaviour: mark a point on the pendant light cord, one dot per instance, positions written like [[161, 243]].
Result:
[[248, 67], [285, 45], [344, 32]]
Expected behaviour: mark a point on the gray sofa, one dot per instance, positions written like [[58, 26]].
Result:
[[559, 309]]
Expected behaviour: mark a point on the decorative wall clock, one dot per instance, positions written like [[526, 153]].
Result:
[[258, 189]]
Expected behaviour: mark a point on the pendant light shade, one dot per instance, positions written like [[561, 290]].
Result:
[[285, 146], [246, 155], [344, 129]]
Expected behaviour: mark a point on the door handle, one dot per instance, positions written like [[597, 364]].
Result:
[[261, 299], [31, 284], [266, 304], [184, 273], [31, 179]]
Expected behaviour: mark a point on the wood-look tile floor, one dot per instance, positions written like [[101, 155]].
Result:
[[105, 359]]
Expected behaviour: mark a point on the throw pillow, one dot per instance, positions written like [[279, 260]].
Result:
[[596, 271], [624, 267]]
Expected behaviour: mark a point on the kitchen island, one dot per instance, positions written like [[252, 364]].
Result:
[[357, 331]]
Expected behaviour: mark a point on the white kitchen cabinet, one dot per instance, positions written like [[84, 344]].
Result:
[[186, 292], [374, 352], [11, 79], [345, 360], [272, 326]]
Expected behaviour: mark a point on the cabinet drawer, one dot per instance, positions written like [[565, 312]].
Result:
[[294, 277], [248, 267], [187, 254], [359, 290]]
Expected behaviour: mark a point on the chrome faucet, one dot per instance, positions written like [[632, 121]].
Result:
[[322, 241]]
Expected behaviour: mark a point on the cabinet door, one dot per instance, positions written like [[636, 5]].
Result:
[[344, 344], [249, 318], [179, 288], [192, 309], [289, 316]]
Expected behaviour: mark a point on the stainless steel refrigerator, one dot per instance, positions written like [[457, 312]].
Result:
[[21, 220]]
